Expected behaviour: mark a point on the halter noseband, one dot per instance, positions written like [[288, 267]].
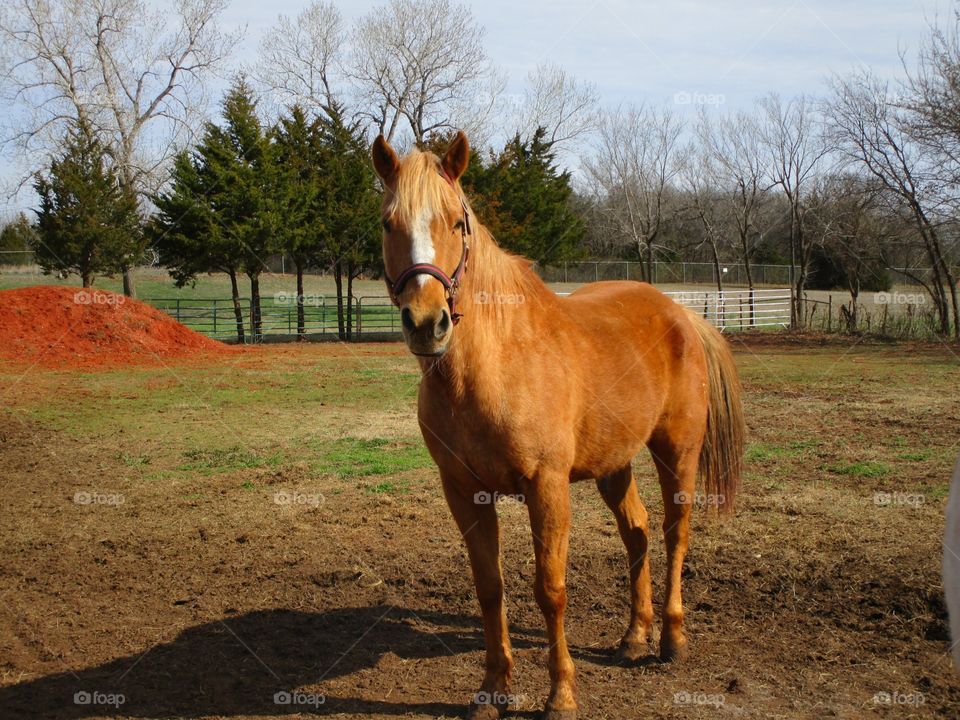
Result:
[[451, 283]]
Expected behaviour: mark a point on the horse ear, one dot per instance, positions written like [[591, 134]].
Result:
[[457, 158], [385, 161]]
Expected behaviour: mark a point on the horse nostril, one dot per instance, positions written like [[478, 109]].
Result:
[[406, 317], [442, 326]]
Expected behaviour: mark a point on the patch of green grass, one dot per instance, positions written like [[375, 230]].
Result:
[[863, 468], [938, 492], [916, 456], [388, 487], [765, 452], [357, 457], [211, 461]]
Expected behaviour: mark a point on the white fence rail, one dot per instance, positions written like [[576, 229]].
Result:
[[739, 309]]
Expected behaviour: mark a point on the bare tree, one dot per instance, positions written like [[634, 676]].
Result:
[[133, 74], [932, 93], [850, 224], [735, 146], [634, 165], [299, 56], [703, 186], [416, 63], [874, 129], [560, 103], [795, 151]]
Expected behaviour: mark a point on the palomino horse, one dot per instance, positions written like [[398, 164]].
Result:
[[524, 392]]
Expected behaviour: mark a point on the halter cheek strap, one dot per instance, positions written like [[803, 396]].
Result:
[[451, 283]]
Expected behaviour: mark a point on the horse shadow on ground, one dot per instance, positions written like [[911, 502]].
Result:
[[253, 664]]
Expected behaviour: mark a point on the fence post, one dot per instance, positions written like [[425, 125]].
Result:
[[214, 318], [830, 312], [178, 309], [359, 316]]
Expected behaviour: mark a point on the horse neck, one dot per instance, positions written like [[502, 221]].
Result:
[[499, 297]]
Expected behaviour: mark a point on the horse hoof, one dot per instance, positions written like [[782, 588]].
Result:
[[630, 652], [559, 714], [672, 650]]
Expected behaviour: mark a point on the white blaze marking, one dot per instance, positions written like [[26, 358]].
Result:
[[421, 248]]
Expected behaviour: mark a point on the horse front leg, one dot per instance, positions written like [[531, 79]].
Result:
[[548, 503], [476, 517]]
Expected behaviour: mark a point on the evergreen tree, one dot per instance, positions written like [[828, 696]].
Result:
[[526, 202], [301, 190], [87, 222], [186, 233], [18, 238], [351, 226], [226, 197]]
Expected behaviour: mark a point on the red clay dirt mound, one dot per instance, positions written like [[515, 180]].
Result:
[[57, 326]]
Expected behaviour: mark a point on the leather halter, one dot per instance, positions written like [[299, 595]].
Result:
[[451, 283]]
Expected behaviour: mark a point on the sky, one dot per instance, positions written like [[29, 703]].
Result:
[[683, 53]]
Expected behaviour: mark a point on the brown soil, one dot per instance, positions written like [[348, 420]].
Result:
[[808, 604], [69, 327]]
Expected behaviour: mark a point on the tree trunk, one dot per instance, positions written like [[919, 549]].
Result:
[[350, 271], [237, 309], [650, 262], [301, 325], [338, 279], [795, 300], [749, 273], [716, 265], [86, 278], [256, 322], [129, 287]]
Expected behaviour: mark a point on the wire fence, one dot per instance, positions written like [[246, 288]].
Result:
[[733, 274], [665, 273]]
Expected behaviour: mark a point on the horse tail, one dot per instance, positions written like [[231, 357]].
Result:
[[721, 458]]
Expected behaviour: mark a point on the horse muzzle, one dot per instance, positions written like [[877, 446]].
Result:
[[426, 333]]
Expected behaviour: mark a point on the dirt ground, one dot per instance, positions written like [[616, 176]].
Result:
[[144, 577]]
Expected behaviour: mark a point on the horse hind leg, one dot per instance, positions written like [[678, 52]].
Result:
[[619, 492], [677, 468]]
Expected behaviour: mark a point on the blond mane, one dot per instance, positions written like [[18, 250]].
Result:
[[492, 270], [420, 186]]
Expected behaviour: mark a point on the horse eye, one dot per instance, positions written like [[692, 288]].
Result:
[[458, 225], [386, 225]]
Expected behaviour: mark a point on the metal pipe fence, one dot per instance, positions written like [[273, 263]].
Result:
[[376, 318], [369, 317]]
